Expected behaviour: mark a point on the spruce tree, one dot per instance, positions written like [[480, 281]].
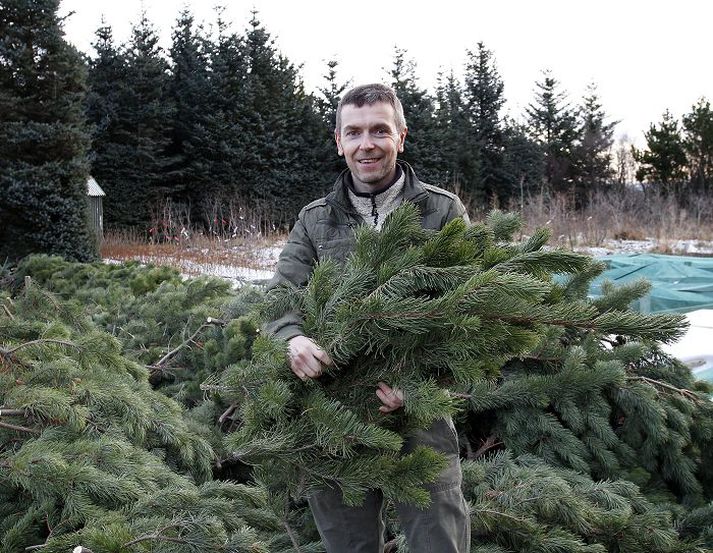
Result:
[[91, 456], [189, 172], [108, 86], [663, 163], [326, 103], [698, 143], [438, 315], [281, 167], [131, 153], [553, 124], [460, 164], [523, 162], [423, 151], [483, 90], [44, 138], [592, 154], [588, 439], [330, 93], [220, 139]]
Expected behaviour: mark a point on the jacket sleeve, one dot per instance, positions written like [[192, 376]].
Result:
[[457, 210], [294, 266]]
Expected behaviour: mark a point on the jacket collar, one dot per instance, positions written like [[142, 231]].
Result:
[[414, 191]]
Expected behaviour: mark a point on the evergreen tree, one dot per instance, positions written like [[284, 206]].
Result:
[[190, 172], [131, 154], [108, 85], [459, 165], [91, 456], [523, 161], [439, 315], [44, 139], [483, 91], [327, 103], [698, 143], [663, 163], [281, 166], [219, 140], [423, 150], [330, 93], [553, 124], [584, 387], [592, 155]]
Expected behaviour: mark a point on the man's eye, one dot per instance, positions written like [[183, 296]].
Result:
[[352, 133]]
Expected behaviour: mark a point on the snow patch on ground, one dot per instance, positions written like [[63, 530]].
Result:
[[238, 275], [650, 245]]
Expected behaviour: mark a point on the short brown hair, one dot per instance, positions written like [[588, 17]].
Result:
[[370, 94]]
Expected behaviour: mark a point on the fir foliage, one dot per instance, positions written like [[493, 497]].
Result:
[[91, 455], [580, 434], [436, 314], [44, 138]]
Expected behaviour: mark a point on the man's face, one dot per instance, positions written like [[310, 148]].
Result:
[[370, 141]]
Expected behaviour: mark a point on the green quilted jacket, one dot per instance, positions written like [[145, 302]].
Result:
[[325, 229]]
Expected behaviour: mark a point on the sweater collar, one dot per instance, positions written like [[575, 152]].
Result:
[[413, 190]]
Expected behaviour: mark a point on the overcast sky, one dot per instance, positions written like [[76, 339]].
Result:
[[645, 56]]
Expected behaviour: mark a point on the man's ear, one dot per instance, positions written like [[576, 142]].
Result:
[[402, 139], [338, 140]]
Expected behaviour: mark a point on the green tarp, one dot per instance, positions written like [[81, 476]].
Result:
[[679, 284]]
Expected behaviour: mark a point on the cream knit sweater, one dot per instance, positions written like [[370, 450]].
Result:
[[375, 207]]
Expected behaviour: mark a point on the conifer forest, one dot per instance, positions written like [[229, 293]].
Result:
[[143, 411]]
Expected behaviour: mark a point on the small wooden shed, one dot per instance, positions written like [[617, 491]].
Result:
[[96, 209]]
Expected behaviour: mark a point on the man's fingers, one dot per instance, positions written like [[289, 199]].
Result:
[[306, 357], [324, 357], [392, 398]]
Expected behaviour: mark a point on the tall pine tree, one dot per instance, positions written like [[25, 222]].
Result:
[[132, 83], [698, 143], [663, 163], [422, 150], [553, 124], [484, 101], [592, 155], [460, 164], [282, 168], [44, 139], [189, 93]]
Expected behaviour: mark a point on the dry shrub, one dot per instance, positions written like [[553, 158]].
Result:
[[629, 214], [233, 237]]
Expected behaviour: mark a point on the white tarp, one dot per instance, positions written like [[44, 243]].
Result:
[[695, 349]]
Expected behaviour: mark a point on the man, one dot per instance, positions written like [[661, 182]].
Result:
[[370, 133]]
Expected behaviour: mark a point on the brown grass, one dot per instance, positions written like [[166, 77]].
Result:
[[237, 236], [193, 252], [623, 215]]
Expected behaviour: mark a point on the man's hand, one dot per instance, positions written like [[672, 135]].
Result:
[[392, 398], [306, 358]]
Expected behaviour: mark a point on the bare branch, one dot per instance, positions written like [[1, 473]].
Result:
[[8, 352], [290, 532], [209, 322], [657, 383], [157, 536], [18, 428], [229, 411], [13, 412], [8, 312], [489, 443]]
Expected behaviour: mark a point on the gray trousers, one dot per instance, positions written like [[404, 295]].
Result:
[[443, 527]]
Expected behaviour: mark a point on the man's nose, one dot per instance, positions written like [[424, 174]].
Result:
[[366, 142]]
